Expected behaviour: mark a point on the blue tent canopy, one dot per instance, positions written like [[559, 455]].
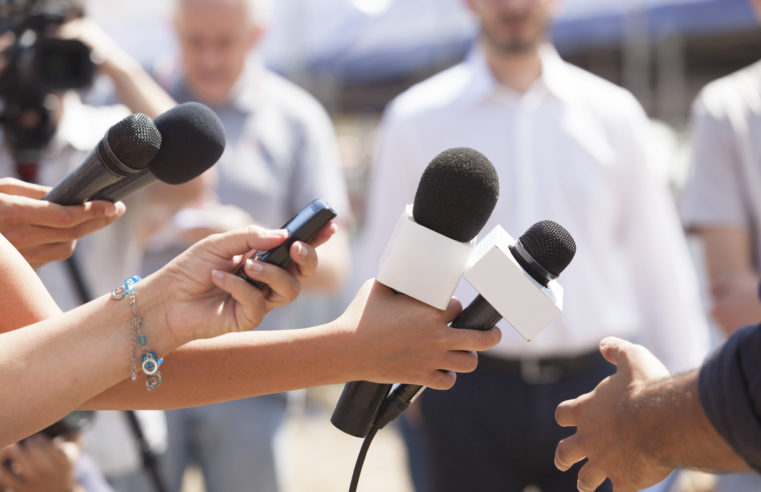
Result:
[[344, 39]]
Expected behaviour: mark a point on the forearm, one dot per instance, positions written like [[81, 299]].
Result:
[[49, 368], [135, 88], [240, 365], [678, 432]]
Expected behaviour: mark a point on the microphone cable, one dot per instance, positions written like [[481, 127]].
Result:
[[361, 458]]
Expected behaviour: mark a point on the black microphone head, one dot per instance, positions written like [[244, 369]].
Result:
[[550, 245], [193, 140], [456, 194], [134, 141]]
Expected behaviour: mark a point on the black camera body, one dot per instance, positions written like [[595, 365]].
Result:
[[38, 64]]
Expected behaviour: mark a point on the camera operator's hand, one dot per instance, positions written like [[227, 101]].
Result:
[[39, 464], [43, 231], [201, 296], [135, 88], [6, 41]]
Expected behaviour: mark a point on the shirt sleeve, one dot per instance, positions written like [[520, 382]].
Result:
[[729, 386], [713, 193], [672, 320]]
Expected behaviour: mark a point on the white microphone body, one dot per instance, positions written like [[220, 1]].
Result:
[[422, 263], [524, 303]]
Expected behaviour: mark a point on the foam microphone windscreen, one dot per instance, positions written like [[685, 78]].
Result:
[[456, 194], [193, 140]]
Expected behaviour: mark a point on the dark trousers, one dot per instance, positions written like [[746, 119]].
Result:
[[496, 431]]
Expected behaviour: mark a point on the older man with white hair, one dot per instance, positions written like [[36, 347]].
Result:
[[281, 154]]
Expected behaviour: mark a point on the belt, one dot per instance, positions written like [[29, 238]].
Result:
[[543, 370]]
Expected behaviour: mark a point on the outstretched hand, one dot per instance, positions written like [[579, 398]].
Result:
[[609, 431], [202, 296]]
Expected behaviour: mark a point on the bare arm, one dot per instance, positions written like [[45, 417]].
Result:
[[733, 278], [636, 426], [52, 366], [381, 337]]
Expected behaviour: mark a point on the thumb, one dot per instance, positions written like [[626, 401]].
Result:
[[243, 240], [613, 349]]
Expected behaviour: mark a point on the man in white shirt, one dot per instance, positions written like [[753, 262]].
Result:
[[570, 147]]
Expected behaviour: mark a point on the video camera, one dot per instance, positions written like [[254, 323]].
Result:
[[37, 65]]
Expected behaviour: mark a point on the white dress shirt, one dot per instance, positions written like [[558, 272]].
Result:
[[572, 149]]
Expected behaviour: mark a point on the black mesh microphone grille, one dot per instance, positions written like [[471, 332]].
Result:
[[193, 140], [135, 140], [456, 194], [550, 244]]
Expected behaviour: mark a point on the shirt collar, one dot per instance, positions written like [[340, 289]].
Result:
[[554, 77]]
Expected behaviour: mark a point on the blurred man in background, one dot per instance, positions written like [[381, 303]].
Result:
[[281, 154], [722, 204], [569, 147]]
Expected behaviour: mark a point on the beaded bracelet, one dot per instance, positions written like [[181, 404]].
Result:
[[150, 363]]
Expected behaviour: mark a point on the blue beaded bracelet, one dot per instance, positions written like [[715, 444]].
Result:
[[150, 363]]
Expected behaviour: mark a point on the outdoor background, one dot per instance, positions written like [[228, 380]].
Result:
[[355, 55]]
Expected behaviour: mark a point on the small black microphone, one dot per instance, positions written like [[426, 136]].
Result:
[[125, 150], [455, 197], [193, 140], [543, 251]]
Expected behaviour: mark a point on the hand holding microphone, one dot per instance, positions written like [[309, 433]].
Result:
[[513, 281], [427, 254]]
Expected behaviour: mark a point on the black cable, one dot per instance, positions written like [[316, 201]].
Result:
[[361, 459]]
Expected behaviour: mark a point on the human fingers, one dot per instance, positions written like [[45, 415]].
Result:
[[568, 452], [460, 361], [304, 259], [566, 413], [453, 309], [474, 340], [42, 254], [281, 287], [13, 186], [249, 299], [440, 380], [23, 210], [243, 240], [632, 359], [41, 456], [591, 476], [9, 480], [17, 459]]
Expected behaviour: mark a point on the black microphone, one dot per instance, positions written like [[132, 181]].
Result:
[[455, 197], [125, 149], [193, 140], [543, 252]]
